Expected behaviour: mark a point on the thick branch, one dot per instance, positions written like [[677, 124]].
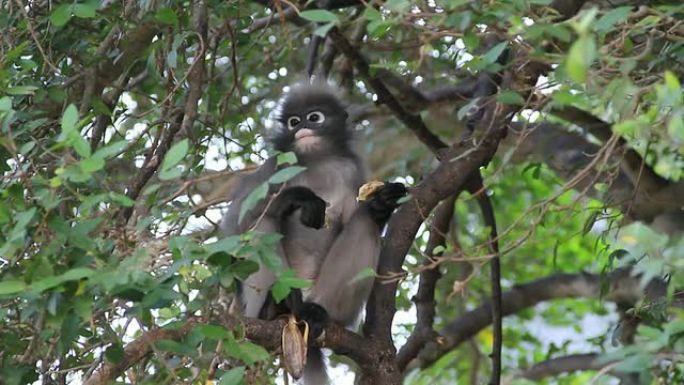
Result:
[[567, 364], [633, 162], [555, 366], [265, 333], [622, 288], [566, 153], [425, 297], [136, 351]]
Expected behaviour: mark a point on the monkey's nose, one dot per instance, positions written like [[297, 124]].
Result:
[[303, 133]]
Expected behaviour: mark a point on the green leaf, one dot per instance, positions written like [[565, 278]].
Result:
[[111, 149], [175, 347], [251, 353], [636, 363], [580, 58], [5, 104], [493, 54], [286, 158], [399, 6], [319, 16], [672, 82], [84, 10], [279, 291], [323, 29], [61, 15], [79, 144], [53, 281], [214, 332], [77, 273], [21, 90], [114, 353], [253, 199], [587, 19], [626, 128], [235, 376], [295, 282], [166, 16], [226, 245], [589, 223], [285, 174], [44, 284], [175, 154], [170, 174], [70, 118], [244, 269], [675, 127], [121, 199], [11, 286], [606, 22], [510, 97], [369, 272], [285, 283], [372, 14], [24, 218], [92, 164]]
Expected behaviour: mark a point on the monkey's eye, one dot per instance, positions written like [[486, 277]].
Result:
[[292, 121], [315, 117]]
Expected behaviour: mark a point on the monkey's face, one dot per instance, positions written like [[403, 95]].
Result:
[[312, 121]]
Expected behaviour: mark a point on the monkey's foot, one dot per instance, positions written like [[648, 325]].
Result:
[[316, 317]]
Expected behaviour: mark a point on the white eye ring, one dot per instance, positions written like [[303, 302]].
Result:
[[292, 121], [315, 117]]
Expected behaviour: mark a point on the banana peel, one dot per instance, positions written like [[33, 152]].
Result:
[[368, 189], [294, 346]]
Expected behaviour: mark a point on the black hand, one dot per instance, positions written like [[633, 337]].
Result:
[[383, 202], [293, 198]]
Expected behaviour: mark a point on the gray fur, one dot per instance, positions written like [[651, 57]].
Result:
[[331, 256]]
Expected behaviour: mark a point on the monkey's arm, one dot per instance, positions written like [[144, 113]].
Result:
[[244, 186], [255, 288]]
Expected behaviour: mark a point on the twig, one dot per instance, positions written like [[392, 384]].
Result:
[[34, 36]]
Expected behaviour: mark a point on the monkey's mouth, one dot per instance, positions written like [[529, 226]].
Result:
[[304, 133], [306, 140]]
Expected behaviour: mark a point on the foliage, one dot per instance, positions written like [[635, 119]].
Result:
[[121, 124]]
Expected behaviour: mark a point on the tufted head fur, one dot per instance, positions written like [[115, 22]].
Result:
[[312, 120]]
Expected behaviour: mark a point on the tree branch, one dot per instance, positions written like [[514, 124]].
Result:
[[571, 363], [195, 75], [566, 152], [622, 288], [633, 162], [265, 333], [413, 122], [555, 366], [425, 297]]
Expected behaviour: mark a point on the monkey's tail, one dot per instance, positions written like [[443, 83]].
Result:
[[314, 371]]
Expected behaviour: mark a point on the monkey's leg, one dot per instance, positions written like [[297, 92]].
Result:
[[256, 288], [256, 293], [337, 288]]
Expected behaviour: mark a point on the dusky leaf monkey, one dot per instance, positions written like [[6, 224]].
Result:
[[313, 124]]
